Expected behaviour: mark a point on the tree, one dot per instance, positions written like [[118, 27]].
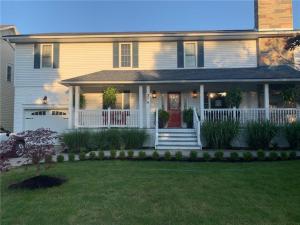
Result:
[[292, 43], [233, 98]]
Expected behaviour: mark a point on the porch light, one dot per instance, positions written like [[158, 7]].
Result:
[[45, 100], [223, 94], [154, 94], [212, 95], [194, 94]]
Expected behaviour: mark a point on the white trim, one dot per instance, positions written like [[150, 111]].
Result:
[[41, 57], [42, 106], [120, 54], [196, 54]]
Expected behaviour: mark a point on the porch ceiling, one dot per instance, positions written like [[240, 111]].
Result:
[[260, 74]]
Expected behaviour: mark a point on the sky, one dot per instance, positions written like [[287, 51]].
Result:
[[116, 16]]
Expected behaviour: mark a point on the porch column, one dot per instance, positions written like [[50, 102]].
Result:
[[201, 103], [148, 106], [70, 119], [267, 101], [141, 106], [77, 102]]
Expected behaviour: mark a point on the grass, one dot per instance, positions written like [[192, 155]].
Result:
[[148, 192]]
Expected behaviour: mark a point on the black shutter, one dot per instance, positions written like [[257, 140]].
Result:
[[116, 55], [200, 62], [135, 54], [180, 63], [56, 55], [37, 56]]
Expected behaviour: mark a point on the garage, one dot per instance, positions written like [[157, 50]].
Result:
[[55, 119]]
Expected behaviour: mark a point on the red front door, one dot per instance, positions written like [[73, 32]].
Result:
[[174, 109]]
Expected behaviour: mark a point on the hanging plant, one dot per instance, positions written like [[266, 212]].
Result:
[[233, 98], [109, 97], [289, 95]]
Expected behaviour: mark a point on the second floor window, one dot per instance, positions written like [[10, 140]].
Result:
[[190, 56], [9, 73], [47, 56], [125, 56]]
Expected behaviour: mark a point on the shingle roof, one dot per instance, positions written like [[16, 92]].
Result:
[[279, 73]]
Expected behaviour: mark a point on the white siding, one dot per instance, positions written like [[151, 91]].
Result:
[[230, 54]]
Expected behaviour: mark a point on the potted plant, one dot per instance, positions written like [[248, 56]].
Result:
[[163, 117], [109, 97], [233, 98], [289, 95], [188, 117]]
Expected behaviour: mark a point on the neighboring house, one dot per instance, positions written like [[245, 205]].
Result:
[[7, 78], [154, 70]]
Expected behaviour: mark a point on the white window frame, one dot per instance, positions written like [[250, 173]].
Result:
[[41, 57], [12, 73], [196, 53], [120, 54]]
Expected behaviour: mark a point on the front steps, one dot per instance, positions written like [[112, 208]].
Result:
[[177, 139]]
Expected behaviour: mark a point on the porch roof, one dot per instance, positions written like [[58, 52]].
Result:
[[259, 74]]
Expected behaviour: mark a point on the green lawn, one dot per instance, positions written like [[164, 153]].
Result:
[[137, 193]]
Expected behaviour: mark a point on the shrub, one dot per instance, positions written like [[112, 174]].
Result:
[[188, 117], [247, 156], [75, 140], [206, 156], [260, 134], [261, 155], [292, 155], [219, 134], [100, 155], [273, 155], [234, 156], [155, 155], [92, 156], [122, 155], [193, 155], [71, 157], [167, 156], [48, 159], [178, 155], [60, 158], [82, 156], [133, 138], [284, 156], [142, 155], [163, 117], [292, 134], [219, 155], [113, 154], [130, 154]]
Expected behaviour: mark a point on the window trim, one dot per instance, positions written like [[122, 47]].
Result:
[[120, 54], [11, 73], [41, 57], [196, 53]]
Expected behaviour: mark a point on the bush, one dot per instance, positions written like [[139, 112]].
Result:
[[100, 155], [234, 156], [82, 156], [155, 155], [284, 156], [219, 134], [292, 134], [113, 154], [260, 134], [292, 155], [71, 157], [193, 155], [273, 155], [188, 117], [122, 155], [60, 158], [133, 138], [163, 117], [142, 155], [130, 154], [92, 156], [178, 155], [76, 140], [167, 156], [247, 156], [48, 159], [219, 155], [261, 155], [206, 156]]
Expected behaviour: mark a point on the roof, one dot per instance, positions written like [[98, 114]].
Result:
[[279, 73], [148, 36], [4, 27]]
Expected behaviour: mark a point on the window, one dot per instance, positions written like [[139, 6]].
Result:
[[39, 113], [58, 113], [125, 56], [9, 73], [47, 56], [190, 54], [123, 100]]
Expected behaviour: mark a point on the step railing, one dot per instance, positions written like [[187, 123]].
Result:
[[156, 127], [196, 125]]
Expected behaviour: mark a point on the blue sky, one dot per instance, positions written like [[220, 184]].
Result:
[[97, 16]]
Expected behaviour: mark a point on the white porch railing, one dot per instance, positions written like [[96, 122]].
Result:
[[156, 127], [278, 116], [196, 125], [108, 118]]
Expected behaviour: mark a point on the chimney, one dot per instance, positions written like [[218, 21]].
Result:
[[273, 15]]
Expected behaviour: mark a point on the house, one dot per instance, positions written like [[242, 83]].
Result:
[[7, 78], [157, 70]]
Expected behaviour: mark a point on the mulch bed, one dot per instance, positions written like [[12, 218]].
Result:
[[38, 182]]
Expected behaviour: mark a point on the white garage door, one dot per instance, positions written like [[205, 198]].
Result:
[[56, 120]]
